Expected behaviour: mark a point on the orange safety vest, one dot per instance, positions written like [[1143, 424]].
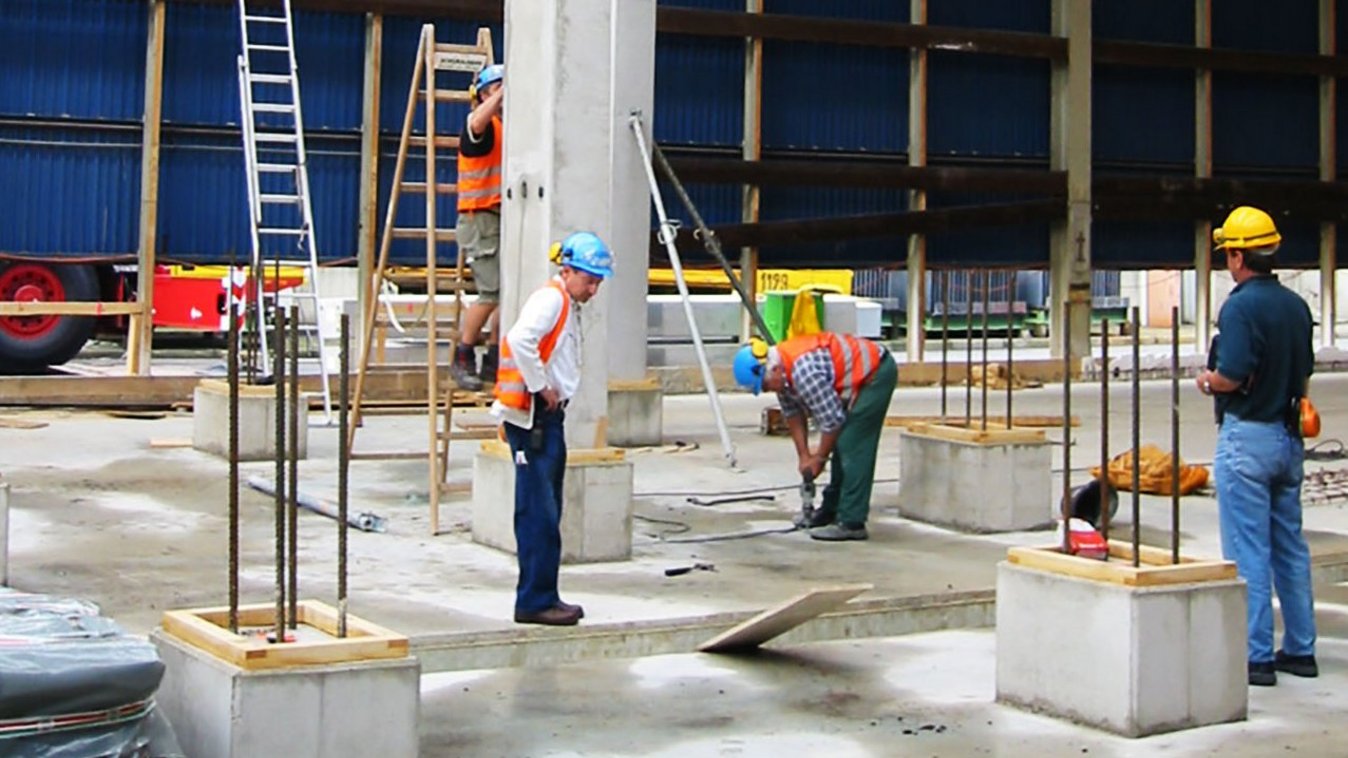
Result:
[[480, 177], [854, 359], [510, 387]]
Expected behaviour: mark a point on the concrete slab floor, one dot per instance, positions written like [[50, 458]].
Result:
[[98, 513]]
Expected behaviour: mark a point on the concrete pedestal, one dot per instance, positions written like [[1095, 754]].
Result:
[[635, 413], [221, 711], [975, 486], [1134, 660], [596, 503], [257, 421], [4, 534]]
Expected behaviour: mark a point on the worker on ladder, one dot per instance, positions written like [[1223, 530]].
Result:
[[478, 230], [844, 383], [539, 373]]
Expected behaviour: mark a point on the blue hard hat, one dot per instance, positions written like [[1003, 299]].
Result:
[[490, 75], [584, 251], [749, 370]]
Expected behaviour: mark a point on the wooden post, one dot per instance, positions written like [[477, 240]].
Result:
[[141, 329], [368, 240], [752, 151], [1202, 170], [1328, 158], [917, 199]]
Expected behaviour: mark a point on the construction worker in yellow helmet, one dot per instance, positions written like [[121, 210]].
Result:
[[1257, 380]]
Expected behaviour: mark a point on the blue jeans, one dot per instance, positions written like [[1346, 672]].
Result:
[[1259, 470], [540, 465]]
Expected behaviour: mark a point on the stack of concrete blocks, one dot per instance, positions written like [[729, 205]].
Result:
[[367, 708], [635, 413], [978, 487], [596, 505], [1131, 660], [257, 421]]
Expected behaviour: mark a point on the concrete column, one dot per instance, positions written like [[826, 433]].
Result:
[[367, 240], [1202, 170], [578, 68], [1328, 159], [1070, 151], [917, 199]]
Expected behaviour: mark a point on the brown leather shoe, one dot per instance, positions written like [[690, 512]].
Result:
[[554, 616], [579, 611]]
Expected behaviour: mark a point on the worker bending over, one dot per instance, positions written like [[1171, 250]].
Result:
[[538, 375], [844, 383]]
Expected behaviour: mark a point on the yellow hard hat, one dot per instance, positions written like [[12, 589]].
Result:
[[1247, 228]]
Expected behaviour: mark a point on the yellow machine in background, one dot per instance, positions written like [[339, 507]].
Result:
[[768, 280]]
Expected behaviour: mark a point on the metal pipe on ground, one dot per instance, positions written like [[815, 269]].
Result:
[[366, 521]]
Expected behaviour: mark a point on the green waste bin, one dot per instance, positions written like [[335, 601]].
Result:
[[776, 309]]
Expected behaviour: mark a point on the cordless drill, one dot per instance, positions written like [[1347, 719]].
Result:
[[803, 520]]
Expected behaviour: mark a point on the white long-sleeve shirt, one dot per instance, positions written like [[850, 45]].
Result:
[[562, 371]]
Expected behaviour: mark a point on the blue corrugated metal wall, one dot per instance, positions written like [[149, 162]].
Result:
[[69, 62]]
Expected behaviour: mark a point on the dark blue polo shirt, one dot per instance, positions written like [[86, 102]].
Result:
[[1266, 346]]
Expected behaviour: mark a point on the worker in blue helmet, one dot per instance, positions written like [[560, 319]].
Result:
[[844, 383], [539, 373], [478, 229]]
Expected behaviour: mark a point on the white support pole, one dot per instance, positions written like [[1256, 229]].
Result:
[[917, 199], [1328, 173], [1202, 170], [1070, 148]]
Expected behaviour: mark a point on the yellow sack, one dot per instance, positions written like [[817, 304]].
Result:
[[1155, 475], [805, 315]]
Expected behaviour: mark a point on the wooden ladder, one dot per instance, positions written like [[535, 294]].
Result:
[[432, 59]]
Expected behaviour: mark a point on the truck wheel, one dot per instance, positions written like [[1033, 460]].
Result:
[[31, 343]]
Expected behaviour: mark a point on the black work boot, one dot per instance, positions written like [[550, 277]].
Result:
[[1296, 665], [1262, 674], [489, 362], [464, 368]]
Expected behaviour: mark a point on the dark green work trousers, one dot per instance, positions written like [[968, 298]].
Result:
[[852, 466]]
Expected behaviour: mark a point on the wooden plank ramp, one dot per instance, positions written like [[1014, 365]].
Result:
[[781, 619]]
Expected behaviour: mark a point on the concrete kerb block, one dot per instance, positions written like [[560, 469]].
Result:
[[4, 534], [975, 487], [368, 708], [1131, 660], [635, 413], [596, 503], [257, 421]]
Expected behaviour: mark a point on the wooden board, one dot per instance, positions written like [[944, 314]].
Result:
[[9, 422], [165, 443], [1019, 421], [978, 436], [207, 629], [785, 617], [582, 456], [1156, 568]]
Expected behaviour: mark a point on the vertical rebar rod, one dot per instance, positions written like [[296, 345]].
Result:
[[343, 470], [233, 360], [987, 285], [293, 476], [969, 349], [945, 340], [278, 376], [1010, 353], [1136, 329], [1174, 436], [1067, 428], [1104, 430]]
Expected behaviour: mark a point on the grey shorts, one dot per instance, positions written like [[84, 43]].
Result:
[[479, 236]]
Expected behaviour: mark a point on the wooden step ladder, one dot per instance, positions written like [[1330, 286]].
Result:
[[433, 59]]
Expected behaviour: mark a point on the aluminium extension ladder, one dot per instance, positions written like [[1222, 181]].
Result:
[[280, 210]]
